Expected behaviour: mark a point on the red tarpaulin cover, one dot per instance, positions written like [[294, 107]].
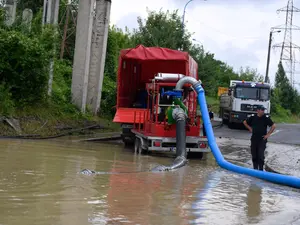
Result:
[[153, 53]]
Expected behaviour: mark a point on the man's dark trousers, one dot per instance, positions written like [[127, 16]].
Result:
[[258, 147]]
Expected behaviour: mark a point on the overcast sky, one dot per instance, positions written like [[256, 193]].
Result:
[[237, 31]]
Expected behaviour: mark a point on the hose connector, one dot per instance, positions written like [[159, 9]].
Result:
[[179, 114]]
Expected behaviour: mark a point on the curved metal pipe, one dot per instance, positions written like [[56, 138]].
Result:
[[187, 80], [272, 177]]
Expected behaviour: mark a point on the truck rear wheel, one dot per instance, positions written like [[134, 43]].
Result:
[[127, 136], [225, 121], [230, 125]]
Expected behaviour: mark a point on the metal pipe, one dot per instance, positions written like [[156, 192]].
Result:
[[187, 80], [168, 77], [180, 116], [267, 79]]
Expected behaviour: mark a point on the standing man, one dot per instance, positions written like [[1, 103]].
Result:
[[257, 125]]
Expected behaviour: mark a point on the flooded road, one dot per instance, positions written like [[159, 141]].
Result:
[[40, 184]]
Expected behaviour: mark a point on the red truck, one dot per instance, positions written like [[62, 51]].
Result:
[[144, 73]]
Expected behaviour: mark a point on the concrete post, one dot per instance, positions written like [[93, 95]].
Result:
[[49, 11], [44, 12], [11, 9], [80, 76], [99, 46], [27, 17]]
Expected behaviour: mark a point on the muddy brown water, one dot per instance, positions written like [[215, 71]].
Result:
[[40, 184]]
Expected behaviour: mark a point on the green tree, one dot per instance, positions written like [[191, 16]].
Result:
[[284, 94], [281, 78], [34, 5], [23, 62], [249, 74], [163, 29], [117, 40]]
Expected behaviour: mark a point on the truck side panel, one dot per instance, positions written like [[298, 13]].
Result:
[[139, 65]]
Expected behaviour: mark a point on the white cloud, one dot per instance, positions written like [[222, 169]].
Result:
[[236, 31]]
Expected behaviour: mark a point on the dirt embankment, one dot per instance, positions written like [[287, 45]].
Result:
[[37, 127]]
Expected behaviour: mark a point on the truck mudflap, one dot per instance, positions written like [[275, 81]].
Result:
[[166, 144]]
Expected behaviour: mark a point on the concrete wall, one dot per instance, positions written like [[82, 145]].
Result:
[[82, 53], [90, 53], [98, 53]]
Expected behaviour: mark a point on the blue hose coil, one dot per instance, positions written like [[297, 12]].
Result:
[[271, 177]]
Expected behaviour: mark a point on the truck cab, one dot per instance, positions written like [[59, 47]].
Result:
[[242, 100]]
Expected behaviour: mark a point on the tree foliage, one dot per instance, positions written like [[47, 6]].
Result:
[[284, 95], [163, 29], [34, 5], [23, 63], [25, 56]]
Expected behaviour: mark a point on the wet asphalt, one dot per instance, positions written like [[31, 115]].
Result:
[[284, 133]]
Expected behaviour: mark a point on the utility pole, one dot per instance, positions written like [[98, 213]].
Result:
[[267, 79], [287, 46], [98, 54], [50, 16], [182, 25], [183, 18], [90, 53]]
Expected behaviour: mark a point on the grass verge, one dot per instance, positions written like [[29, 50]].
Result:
[[214, 103], [286, 119], [50, 119]]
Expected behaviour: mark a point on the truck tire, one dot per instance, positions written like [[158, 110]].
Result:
[[224, 121], [128, 137], [127, 143]]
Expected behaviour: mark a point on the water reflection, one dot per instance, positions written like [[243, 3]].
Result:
[[40, 184], [254, 198]]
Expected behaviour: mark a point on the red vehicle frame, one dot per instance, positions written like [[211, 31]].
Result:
[[142, 123]]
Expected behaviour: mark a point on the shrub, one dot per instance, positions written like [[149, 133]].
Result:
[[6, 103], [23, 66]]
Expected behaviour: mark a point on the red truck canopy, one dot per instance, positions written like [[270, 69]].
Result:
[[138, 66], [153, 53]]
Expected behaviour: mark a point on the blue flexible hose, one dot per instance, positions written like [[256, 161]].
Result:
[[272, 177]]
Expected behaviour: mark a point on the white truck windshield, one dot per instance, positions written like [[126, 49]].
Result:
[[252, 93]]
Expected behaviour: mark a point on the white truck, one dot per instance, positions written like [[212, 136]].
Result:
[[242, 100]]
